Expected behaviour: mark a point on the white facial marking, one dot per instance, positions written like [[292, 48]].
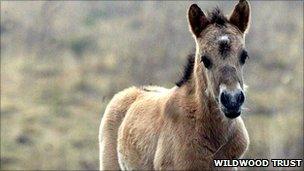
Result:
[[245, 87], [238, 87], [223, 87], [233, 92], [224, 38]]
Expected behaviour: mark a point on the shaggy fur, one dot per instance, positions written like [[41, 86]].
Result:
[[182, 128], [224, 48], [188, 70], [217, 16]]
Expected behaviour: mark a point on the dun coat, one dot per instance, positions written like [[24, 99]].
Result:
[[189, 125]]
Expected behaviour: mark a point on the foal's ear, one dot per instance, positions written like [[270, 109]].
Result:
[[241, 15], [197, 20]]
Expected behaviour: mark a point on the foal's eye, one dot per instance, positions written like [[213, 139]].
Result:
[[206, 61], [243, 57]]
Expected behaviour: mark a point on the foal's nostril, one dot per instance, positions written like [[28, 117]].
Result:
[[232, 102], [225, 99], [240, 98]]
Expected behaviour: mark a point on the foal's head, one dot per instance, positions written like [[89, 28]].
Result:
[[221, 54]]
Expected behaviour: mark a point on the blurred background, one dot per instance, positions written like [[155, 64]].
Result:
[[61, 62]]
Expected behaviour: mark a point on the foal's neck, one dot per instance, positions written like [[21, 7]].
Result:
[[197, 89], [198, 104]]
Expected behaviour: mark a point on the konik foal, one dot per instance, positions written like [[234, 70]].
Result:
[[189, 125]]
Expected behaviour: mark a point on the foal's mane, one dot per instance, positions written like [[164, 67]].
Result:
[[188, 70]]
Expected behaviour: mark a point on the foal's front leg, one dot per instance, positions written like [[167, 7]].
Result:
[[234, 148], [236, 145]]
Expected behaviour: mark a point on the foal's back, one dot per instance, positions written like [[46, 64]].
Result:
[[133, 112]]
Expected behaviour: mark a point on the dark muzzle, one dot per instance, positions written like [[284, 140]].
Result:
[[231, 103]]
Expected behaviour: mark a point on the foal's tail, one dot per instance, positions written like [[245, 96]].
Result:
[[108, 130]]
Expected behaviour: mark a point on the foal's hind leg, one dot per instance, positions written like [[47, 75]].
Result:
[[110, 123]]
